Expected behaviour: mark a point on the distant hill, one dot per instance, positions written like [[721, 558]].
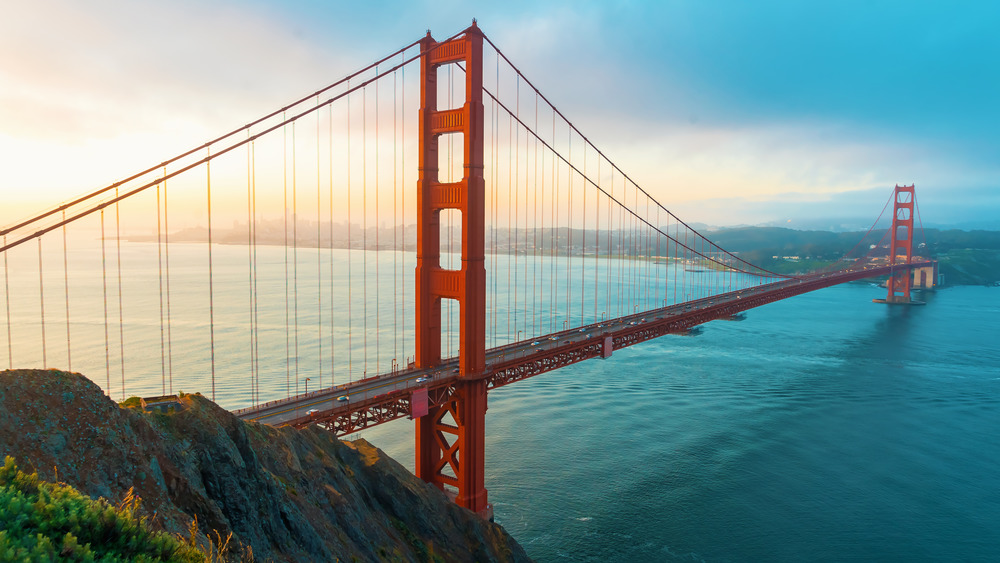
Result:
[[965, 257], [768, 247]]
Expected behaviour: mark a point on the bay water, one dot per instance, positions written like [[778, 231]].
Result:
[[822, 428]]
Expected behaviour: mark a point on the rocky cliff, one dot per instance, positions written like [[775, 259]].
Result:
[[289, 495]]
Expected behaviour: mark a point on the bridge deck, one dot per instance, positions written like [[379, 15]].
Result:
[[361, 404]]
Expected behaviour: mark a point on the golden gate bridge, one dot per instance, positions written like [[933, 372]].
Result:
[[524, 249]]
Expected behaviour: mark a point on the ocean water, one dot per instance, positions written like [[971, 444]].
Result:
[[821, 428]]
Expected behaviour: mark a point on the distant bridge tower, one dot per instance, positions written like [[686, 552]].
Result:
[[450, 438], [901, 246]]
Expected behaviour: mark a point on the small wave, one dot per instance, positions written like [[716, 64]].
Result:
[[584, 519]]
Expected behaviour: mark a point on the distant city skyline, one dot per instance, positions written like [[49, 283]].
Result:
[[728, 113]]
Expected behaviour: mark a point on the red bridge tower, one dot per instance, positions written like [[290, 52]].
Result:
[[901, 246], [450, 438]]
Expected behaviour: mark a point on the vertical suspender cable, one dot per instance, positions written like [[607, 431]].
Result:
[[552, 231], [159, 272], [250, 272], [41, 303], [6, 301], [684, 276], [364, 215], [621, 252], [377, 284], [104, 279], [647, 248], [610, 224], [166, 263], [659, 257], [635, 287], [626, 265], [569, 226], [494, 198], [536, 292], [583, 231], [530, 222], [295, 255], [402, 166], [673, 258], [211, 277], [121, 323], [395, 235], [634, 284], [517, 168], [510, 250], [69, 359], [333, 332], [253, 246], [350, 249], [647, 263], [319, 255], [288, 319], [522, 245], [597, 235], [555, 227], [637, 282]]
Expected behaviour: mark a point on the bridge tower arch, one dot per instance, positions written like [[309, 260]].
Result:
[[901, 245], [450, 438]]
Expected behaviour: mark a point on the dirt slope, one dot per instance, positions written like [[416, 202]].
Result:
[[291, 495]]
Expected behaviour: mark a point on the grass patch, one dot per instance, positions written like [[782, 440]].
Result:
[[132, 402]]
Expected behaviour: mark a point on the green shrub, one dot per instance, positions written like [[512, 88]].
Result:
[[132, 402], [42, 521]]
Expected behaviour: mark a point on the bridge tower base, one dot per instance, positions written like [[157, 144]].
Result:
[[450, 438], [900, 282]]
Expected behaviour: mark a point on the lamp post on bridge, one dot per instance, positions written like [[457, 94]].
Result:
[[307, 386]]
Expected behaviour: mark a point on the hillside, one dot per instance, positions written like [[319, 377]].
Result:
[[965, 257], [289, 495]]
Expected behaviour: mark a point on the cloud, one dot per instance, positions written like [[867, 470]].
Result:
[[106, 67], [747, 104], [90, 92]]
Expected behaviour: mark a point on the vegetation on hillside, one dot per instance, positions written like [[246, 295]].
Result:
[[43, 521], [968, 266], [965, 257], [273, 494]]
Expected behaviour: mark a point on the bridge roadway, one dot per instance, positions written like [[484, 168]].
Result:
[[364, 403]]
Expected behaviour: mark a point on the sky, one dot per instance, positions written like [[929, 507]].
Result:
[[802, 114]]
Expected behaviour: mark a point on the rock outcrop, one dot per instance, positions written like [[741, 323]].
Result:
[[290, 495]]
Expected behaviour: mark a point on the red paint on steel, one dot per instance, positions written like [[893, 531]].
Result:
[[511, 367], [450, 439], [418, 403], [901, 281]]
